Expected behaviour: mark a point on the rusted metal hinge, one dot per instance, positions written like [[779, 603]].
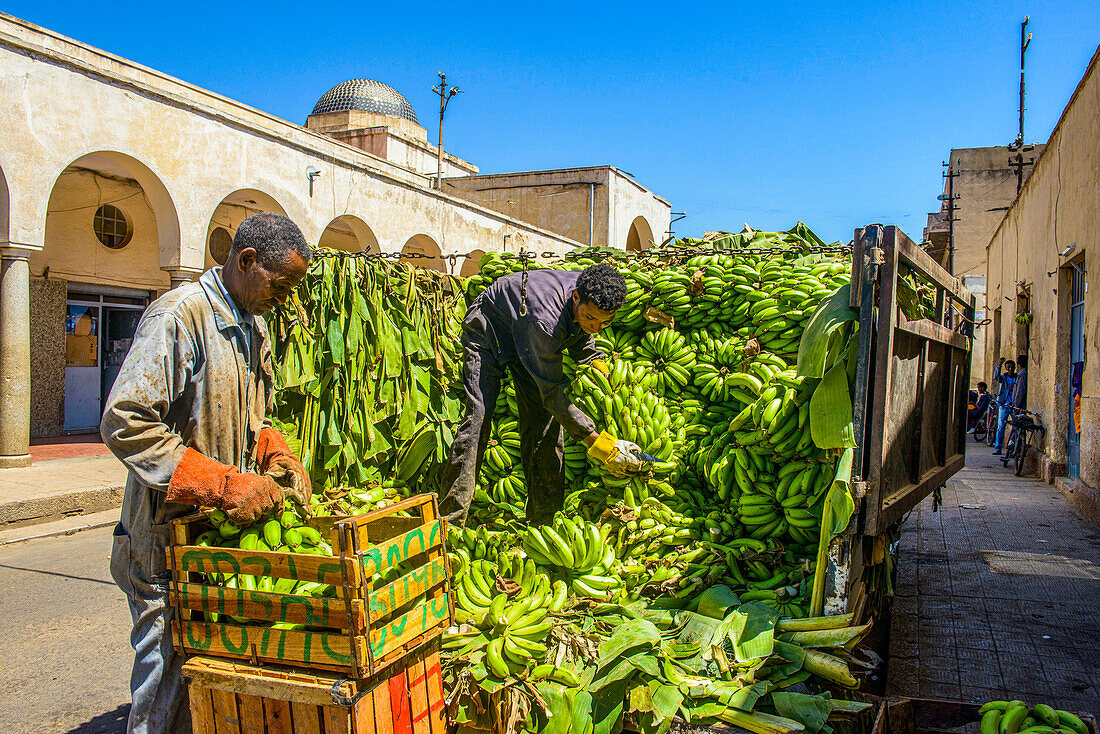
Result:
[[877, 256], [859, 489]]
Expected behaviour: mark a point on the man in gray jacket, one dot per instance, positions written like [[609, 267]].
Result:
[[524, 322], [188, 417]]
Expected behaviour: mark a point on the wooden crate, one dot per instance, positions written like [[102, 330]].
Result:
[[229, 697], [357, 633]]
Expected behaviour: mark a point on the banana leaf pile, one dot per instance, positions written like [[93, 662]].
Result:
[[368, 358]]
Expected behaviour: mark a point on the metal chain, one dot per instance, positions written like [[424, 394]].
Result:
[[573, 256], [523, 285]]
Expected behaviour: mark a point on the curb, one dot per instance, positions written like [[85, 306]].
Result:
[[57, 532], [1084, 500], [50, 508]]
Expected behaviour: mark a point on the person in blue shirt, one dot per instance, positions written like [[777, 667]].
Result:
[[524, 322], [1006, 378], [981, 404]]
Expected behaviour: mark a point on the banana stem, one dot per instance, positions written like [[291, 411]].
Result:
[[817, 599]]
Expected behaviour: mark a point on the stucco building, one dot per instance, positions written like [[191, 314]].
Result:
[[118, 182], [1038, 262], [981, 189]]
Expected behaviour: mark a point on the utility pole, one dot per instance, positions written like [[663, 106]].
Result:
[[1018, 161], [445, 95], [950, 175]]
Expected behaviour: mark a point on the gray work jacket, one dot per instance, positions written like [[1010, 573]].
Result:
[[536, 337], [187, 382]]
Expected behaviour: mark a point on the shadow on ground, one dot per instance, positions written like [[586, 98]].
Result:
[[112, 722]]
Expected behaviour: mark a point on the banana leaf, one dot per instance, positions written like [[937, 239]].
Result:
[[810, 711], [635, 634], [832, 313], [751, 631], [716, 601], [561, 710], [831, 411], [835, 516]]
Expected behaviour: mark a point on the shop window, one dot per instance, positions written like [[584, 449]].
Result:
[[112, 227]]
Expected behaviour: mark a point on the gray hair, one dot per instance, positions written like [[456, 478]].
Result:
[[273, 237]]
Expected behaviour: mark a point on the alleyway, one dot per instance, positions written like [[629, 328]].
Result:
[[998, 594]]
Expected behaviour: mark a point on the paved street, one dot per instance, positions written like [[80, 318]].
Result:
[[64, 625], [998, 594], [997, 598]]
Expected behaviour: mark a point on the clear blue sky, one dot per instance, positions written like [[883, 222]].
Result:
[[763, 112]]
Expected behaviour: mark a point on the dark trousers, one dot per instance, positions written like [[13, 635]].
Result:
[[541, 436]]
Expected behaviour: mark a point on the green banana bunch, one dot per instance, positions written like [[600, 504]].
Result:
[[282, 532], [667, 353], [654, 530], [475, 545], [631, 316], [1016, 717], [618, 344]]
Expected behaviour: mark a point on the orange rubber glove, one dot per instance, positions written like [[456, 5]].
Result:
[[275, 459], [245, 498]]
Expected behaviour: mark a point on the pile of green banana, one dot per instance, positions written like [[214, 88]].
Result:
[[624, 404], [482, 543], [577, 552], [503, 608], [1016, 717], [283, 532], [653, 530]]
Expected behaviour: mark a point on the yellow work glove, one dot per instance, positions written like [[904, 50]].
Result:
[[617, 456], [601, 366]]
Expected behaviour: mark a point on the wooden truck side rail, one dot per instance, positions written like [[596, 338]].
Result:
[[909, 404], [912, 380]]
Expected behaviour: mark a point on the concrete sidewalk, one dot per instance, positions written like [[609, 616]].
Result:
[[998, 594], [59, 490]]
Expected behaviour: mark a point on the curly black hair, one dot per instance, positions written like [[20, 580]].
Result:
[[602, 285]]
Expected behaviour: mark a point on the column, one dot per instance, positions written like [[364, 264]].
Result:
[[15, 357], [179, 275]]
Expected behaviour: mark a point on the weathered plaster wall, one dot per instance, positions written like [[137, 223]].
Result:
[[630, 200], [559, 201], [985, 187], [396, 139], [73, 251], [48, 299], [205, 147], [1059, 206]]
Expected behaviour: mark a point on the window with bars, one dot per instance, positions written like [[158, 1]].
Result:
[[111, 226]]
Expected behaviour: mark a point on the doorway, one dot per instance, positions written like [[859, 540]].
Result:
[[1077, 369], [99, 329]]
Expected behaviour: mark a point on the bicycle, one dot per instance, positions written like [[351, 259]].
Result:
[[991, 416], [982, 427], [1024, 425]]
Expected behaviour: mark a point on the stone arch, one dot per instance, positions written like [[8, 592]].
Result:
[[424, 245], [71, 248], [349, 233], [234, 208], [640, 236], [469, 263]]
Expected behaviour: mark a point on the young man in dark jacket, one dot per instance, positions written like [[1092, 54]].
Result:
[[524, 322]]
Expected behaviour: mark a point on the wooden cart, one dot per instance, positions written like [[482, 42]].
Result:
[[357, 633]]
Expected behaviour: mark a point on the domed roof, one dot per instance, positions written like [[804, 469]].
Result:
[[366, 95]]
